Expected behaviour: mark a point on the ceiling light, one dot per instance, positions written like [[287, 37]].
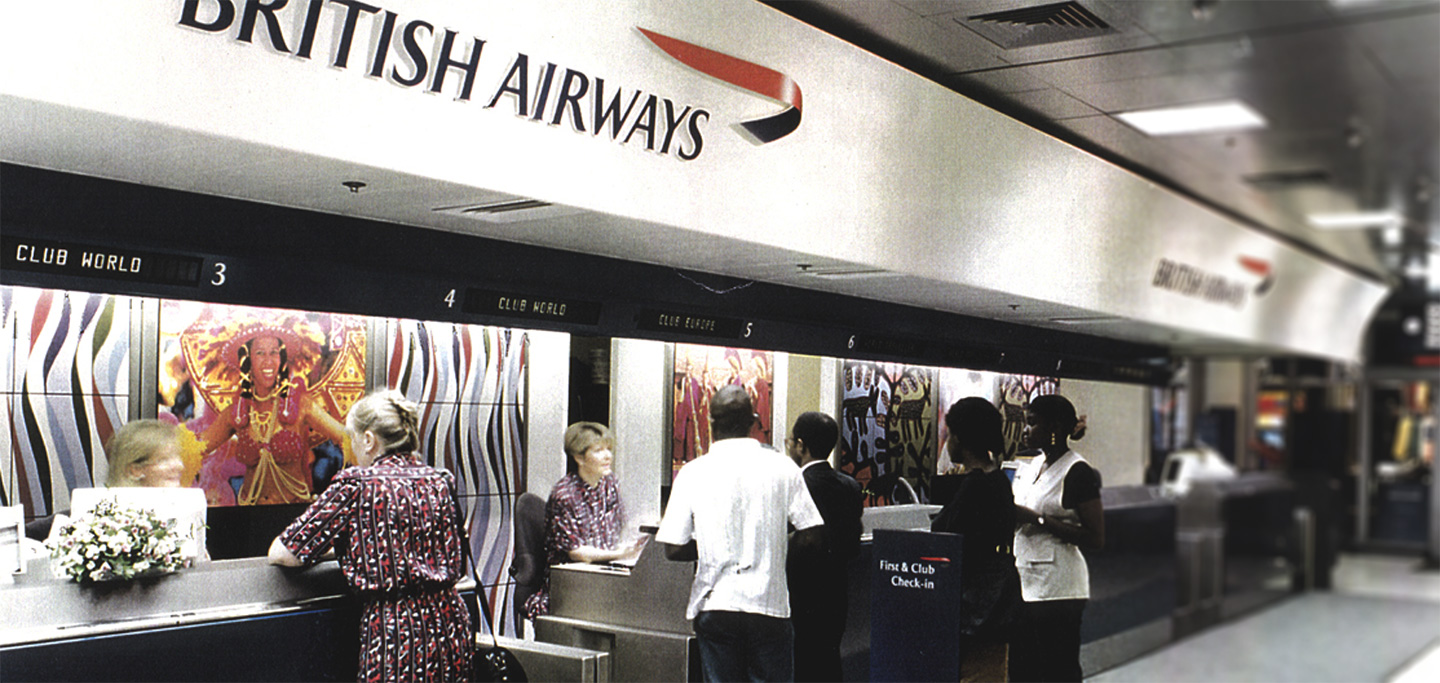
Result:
[[1086, 320], [846, 274], [1392, 236], [1200, 118], [1357, 220], [1415, 268]]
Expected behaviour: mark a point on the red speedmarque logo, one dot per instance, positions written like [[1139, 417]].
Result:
[[1260, 268], [762, 81]]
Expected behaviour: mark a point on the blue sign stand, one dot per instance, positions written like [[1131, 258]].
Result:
[[915, 606]]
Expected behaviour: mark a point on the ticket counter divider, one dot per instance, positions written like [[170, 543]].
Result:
[[634, 614]]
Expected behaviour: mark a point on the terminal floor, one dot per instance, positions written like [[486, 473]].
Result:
[[1380, 623]]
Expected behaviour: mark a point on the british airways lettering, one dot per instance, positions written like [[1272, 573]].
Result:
[[406, 53]]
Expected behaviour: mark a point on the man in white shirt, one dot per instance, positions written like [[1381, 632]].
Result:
[[729, 509]]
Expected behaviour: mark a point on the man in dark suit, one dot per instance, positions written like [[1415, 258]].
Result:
[[818, 579]]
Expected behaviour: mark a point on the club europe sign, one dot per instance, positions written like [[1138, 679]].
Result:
[[409, 52]]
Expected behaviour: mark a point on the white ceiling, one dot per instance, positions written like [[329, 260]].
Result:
[[1351, 89]]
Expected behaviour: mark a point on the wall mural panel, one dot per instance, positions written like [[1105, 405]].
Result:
[[1009, 393], [887, 433], [264, 393], [1013, 394], [235, 375], [699, 372], [66, 379], [951, 385], [470, 384], [893, 426]]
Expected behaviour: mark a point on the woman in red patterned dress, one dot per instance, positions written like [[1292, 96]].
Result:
[[394, 526], [584, 521]]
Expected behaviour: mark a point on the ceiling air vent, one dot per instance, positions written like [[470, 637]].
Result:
[[508, 211], [1040, 25]]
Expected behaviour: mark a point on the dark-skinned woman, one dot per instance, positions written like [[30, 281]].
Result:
[[983, 511], [1058, 508]]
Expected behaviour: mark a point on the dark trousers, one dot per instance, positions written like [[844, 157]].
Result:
[[1047, 648], [739, 646], [819, 619]]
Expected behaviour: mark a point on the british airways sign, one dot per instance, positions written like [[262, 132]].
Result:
[[413, 53]]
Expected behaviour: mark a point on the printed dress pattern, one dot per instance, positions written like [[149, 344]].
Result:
[[396, 533]]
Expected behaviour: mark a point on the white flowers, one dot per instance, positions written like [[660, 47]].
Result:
[[115, 541]]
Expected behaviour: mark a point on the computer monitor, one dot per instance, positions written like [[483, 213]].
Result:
[[1010, 467], [12, 538]]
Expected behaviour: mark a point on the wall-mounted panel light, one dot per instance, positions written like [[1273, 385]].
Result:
[[1086, 320], [1200, 118]]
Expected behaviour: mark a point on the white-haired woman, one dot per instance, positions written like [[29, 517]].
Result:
[[395, 526]]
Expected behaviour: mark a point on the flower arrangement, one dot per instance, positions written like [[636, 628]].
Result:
[[116, 541]]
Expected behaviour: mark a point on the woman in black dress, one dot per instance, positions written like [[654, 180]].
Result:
[[983, 509], [394, 525]]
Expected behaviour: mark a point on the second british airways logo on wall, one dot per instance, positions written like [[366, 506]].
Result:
[[1260, 268], [1215, 288], [752, 77]]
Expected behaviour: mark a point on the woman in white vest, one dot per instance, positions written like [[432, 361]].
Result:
[[1058, 511]]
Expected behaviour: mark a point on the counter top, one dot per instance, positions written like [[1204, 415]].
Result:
[[40, 606]]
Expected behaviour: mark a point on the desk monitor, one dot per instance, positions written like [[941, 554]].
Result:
[[12, 539], [1010, 467], [629, 562]]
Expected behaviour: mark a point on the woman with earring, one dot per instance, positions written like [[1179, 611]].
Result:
[[1058, 507], [271, 419], [983, 510], [584, 520], [395, 526]]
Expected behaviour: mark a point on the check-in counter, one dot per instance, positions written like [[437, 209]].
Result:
[[1267, 537], [909, 517], [1133, 580], [637, 615], [217, 621], [224, 620], [1241, 544], [855, 642], [551, 662], [634, 614]]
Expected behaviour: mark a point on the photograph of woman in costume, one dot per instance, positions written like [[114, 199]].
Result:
[[270, 419], [700, 371], [262, 393]]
